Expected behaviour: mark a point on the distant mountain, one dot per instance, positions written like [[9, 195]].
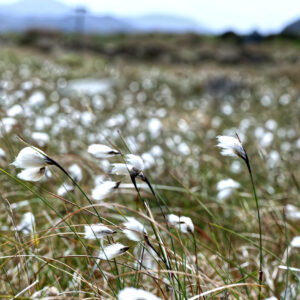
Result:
[[293, 28], [166, 23], [35, 8], [52, 14]]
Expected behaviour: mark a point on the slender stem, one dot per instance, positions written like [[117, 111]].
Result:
[[259, 225]]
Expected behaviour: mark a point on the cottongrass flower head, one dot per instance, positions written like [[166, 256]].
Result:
[[33, 161], [112, 251], [130, 293], [226, 187], [102, 151], [64, 189], [27, 224], [184, 224], [134, 230], [97, 231], [75, 172], [104, 189], [134, 166], [231, 146]]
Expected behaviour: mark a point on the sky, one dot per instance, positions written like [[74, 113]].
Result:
[[266, 16]]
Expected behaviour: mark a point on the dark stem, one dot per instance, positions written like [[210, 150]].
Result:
[[259, 225]]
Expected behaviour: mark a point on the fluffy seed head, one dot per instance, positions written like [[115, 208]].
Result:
[[184, 224], [103, 189], [113, 251], [134, 230], [231, 146], [30, 157], [136, 294], [27, 224], [97, 231], [102, 151], [32, 174], [135, 161]]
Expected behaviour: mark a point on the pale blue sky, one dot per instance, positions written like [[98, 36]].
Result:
[[218, 15]]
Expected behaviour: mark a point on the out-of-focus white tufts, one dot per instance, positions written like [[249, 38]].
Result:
[[27, 224], [134, 230], [136, 294], [292, 212], [184, 224], [104, 189], [75, 172], [64, 189], [296, 242]]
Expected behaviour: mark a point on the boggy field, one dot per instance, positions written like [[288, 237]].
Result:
[[189, 230]]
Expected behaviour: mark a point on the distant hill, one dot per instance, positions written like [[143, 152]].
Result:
[[293, 28], [52, 14]]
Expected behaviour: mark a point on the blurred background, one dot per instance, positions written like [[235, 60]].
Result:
[[167, 77]]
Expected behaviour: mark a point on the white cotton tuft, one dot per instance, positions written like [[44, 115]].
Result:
[[32, 174], [64, 189], [75, 172], [296, 242], [27, 224], [97, 231], [135, 161], [121, 169], [184, 224], [30, 157], [134, 230], [102, 151], [104, 189], [136, 294], [231, 146], [112, 251]]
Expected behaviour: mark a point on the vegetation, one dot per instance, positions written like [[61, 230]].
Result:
[[167, 108]]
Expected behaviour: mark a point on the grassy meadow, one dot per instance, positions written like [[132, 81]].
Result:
[[170, 114]]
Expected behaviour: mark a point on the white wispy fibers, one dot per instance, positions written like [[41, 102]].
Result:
[[112, 251], [102, 151], [27, 224], [2, 153], [147, 258], [64, 189], [154, 127], [267, 139], [97, 231], [231, 146], [292, 212], [130, 293], [296, 242], [6, 125], [134, 166], [33, 161], [135, 161], [75, 172], [120, 169], [134, 230], [184, 224], [41, 138], [37, 98], [226, 187], [148, 160], [104, 189], [30, 157], [15, 110]]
